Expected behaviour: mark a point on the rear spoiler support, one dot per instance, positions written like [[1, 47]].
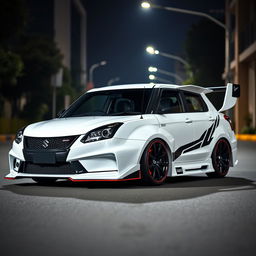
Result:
[[232, 92]]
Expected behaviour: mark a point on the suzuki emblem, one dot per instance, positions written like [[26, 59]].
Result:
[[46, 143]]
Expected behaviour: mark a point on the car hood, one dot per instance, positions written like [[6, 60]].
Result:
[[72, 125]]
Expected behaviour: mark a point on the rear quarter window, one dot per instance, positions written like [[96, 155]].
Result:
[[194, 103]]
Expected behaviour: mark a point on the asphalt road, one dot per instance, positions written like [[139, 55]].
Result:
[[186, 216]]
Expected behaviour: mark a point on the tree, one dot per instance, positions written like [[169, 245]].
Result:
[[42, 59], [204, 48]]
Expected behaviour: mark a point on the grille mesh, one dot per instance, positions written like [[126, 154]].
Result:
[[38, 143], [63, 168]]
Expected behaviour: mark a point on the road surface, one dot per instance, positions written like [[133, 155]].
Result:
[[186, 216]]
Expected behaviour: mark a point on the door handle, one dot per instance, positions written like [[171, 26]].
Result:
[[211, 118], [188, 121]]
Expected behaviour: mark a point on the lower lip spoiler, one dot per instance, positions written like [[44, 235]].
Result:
[[129, 177], [111, 180]]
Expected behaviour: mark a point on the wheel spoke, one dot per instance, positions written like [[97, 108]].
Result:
[[222, 157], [157, 161]]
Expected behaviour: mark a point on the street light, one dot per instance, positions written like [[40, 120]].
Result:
[[147, 5], [152, 50], [164, 72], [153, 77], [113, 80], [93, 67]]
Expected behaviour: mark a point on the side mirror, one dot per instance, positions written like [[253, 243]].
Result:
[[61, 112]]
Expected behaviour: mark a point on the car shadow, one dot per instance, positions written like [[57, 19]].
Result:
[[176, 188]]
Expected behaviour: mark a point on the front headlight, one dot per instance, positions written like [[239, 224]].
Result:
[[19, 135], [101, 133]]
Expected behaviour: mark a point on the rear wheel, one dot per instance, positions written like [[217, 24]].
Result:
[[220, 159], [44, 181], [155, 163]]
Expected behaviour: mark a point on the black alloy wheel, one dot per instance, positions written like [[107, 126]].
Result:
[[220, 159], [155, 163]]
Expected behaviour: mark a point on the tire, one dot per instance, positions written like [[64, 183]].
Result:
[[221, 157], [155, 162], [44, 181]]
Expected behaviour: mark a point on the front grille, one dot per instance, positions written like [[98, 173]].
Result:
[[62, 168], [38, 143]]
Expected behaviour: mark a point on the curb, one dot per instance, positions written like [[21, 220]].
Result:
[[7, 138], [247, 137]]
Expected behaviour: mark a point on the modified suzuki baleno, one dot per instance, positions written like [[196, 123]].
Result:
[[126, 132]]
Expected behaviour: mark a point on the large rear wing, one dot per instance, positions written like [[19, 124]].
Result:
[[232, 92]]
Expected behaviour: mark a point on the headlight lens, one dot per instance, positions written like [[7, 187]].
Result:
[[101, 133], [19, 135]]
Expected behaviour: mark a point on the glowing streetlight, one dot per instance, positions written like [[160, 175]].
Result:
[[152, 77], [152, 50], [226, 27], [145, 5], [164, 72], [156, 78], [152, 69]]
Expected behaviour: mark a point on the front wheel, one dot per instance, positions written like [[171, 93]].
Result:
[[220, 159], [155, 163]]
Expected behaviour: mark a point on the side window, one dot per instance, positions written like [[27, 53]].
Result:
[[194, 103], [169, 103]]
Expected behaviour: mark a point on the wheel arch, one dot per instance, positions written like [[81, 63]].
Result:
[[165, 141], [229, 145]]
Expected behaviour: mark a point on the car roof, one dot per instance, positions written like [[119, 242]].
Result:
[[190, 88]]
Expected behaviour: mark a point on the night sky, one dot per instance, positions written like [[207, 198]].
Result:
[[118, 31]]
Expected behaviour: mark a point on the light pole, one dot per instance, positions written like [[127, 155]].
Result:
[[152, 50], [147, 5], [113, 80], [153, 77], [93, 67], [164, 72]]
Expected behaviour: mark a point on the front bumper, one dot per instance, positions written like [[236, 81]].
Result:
[[113, 159]]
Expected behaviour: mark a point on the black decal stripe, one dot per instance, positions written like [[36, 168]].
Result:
[[215, 125], [193, 148], [205, 140], [179, 151], [207, 135], [218, 120]]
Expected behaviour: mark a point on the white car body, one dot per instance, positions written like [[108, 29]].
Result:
[[190, 136]]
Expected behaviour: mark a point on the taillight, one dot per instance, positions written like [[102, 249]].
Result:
[[229, 120]]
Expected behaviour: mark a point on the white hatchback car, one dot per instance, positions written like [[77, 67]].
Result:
[[129, 132]]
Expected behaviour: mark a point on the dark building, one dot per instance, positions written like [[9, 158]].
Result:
[[242, 15], [65, 22]]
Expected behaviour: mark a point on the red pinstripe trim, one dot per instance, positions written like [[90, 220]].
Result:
[[7, 178], [138, 178]]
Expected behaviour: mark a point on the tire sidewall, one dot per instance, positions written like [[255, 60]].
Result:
[[146, 177]]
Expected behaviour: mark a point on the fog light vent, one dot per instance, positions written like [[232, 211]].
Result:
[[16, 164]]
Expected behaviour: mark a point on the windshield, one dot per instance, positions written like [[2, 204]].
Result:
[[110, 103]]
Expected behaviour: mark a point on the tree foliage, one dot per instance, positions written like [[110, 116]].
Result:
[[204, 48], [42, 59]]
